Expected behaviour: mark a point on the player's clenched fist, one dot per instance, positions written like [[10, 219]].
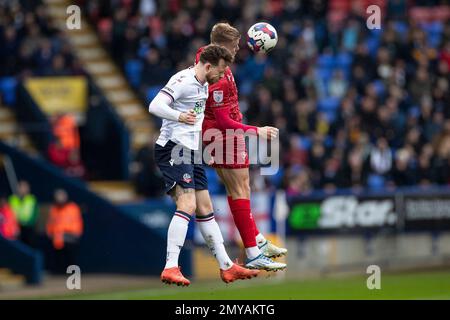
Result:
[[268, 132], [187, 117]]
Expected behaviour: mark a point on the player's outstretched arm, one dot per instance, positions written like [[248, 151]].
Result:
[[160, 107], [224, 121]]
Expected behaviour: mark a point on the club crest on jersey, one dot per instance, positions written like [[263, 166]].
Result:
[[218, 96], [187, 178]]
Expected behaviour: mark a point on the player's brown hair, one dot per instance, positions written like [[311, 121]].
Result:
[[223, 32], [213, 53]]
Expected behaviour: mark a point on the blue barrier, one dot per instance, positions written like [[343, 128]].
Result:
[[113, 241], [21, 259]]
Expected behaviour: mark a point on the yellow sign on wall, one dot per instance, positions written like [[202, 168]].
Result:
[[58, 94]]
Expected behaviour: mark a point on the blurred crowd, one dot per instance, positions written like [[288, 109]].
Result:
[[356, 108], [31, 44]]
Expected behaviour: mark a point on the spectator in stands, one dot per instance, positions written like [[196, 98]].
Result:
[[298, 182], [67, 148], [392, 83], [26, 209], [9, 228], [65, 129], [381, 157], [66, 158], [403, 174], [338, 85], [355, 173], [64, 228]]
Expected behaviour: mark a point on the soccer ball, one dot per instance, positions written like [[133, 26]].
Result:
[[262, 37]]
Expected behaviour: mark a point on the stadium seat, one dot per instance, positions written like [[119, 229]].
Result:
[[329, 141], [331, 116], [401, 27], [246, 87], [8, 89], [133, 70], [326, 61], [344, 60], [324, 73], [152, 92], [376, 181], [143, 49], [372, 44], [379, 87], [328, 104], [277, 178], [306, 143], [376, 33]]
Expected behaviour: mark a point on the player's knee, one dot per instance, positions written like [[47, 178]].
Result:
[[188, 206], [204, 209]]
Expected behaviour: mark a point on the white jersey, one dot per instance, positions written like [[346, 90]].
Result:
[[186, 93]]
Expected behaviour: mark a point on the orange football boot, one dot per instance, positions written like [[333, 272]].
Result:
[[237, 272], [174, 276]]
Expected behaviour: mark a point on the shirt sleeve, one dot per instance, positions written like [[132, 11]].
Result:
[[160, 107], [174, 88]]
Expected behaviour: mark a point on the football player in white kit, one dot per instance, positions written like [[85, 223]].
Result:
[[181, 104]]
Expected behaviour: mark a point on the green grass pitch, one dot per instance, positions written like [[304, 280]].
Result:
[[411, 285]]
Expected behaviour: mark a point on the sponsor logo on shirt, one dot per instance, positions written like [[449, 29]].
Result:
[[199, 107]]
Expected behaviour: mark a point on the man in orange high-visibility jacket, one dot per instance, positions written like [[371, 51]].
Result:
[[66, 130], [64, 228]]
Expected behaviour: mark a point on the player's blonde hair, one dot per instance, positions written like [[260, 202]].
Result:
[[223, 32]]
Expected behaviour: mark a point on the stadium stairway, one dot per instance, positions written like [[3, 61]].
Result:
[[10, 281], [11, 132], [114, 86], [118, 192]]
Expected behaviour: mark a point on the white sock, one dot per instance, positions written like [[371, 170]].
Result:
[[175, 237], [213, 237], [260, 240], [252, 252]]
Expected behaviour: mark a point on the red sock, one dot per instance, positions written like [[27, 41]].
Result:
[[240, 208], [251, 217]]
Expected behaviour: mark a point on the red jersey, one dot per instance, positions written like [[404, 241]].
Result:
[[223, 93], [222, 112]]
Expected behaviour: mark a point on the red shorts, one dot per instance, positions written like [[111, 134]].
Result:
[[227, 152]]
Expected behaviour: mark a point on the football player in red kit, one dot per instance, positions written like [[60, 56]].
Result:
[[232, 163]]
